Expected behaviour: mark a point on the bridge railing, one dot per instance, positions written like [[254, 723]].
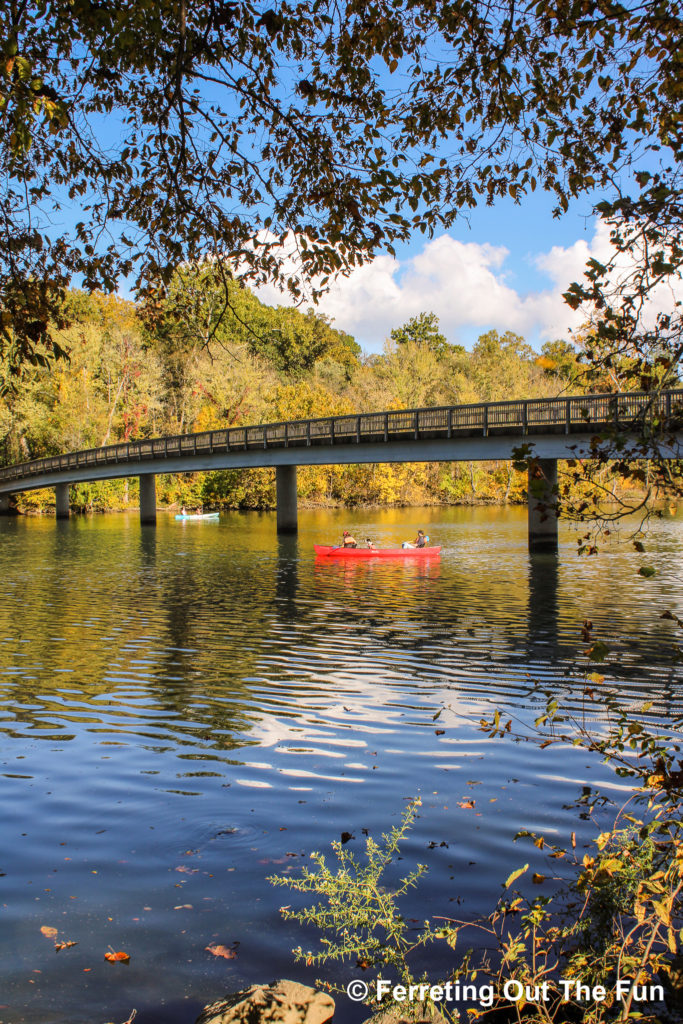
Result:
[[578, 413]]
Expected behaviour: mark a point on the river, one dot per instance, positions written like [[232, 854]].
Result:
[[188, 710]]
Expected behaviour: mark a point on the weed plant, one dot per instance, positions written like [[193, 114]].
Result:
[[613, 924]]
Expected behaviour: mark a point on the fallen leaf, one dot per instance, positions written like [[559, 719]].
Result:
[[50, 933], [227, 952], [537, 879], [119, 957], [346, 836], [466, 804], [64, 945]]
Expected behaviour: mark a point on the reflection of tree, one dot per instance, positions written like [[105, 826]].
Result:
[[177, 633], [184, 638]]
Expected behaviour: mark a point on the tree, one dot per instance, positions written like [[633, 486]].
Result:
[[559, 361], [504, 367], [422, 330], [203, 304], [296, 141]]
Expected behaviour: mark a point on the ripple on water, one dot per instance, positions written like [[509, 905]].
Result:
[[181, 718]]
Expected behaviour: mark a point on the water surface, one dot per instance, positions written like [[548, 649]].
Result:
[[188, 710]]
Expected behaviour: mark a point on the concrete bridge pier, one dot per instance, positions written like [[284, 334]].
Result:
[[5, 508], [62, 505], [542, 500], [148, 499], [285, 489]]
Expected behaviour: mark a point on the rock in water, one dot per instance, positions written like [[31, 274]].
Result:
[[286, 1002]]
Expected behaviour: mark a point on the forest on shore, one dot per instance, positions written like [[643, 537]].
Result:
[[192, 361]]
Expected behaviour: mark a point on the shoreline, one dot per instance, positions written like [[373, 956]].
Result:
[[311, 506]]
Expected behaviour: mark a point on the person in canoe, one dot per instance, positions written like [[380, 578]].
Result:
[[419, 542], [348, 541], [369, 544]]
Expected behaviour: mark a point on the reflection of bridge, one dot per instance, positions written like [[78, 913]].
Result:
[[558, 428]]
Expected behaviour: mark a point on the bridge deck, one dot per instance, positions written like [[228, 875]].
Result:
[[403, 435]]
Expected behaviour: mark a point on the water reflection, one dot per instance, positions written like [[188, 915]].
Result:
[[543, 606], [172, 699]]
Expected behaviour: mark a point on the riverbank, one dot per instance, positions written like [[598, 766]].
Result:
[[42, 502]]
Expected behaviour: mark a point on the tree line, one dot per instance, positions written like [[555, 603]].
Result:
[[188, 363]]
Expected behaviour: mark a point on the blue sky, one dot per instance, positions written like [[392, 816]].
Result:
[[504, 267]]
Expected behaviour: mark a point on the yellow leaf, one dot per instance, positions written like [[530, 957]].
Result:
[[515, 875], [662, 911]]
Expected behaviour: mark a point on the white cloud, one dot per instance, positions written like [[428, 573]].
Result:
[[465, 283]]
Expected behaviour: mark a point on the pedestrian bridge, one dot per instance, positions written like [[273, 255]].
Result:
[[556, 428]]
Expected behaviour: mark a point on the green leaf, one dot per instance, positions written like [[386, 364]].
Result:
[[598, 651]]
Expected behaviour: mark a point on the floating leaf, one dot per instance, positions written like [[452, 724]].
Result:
[[64, 945], [227, 952], [537, 879], [49, 933], [119, 957], [467, 805], [647, 571]]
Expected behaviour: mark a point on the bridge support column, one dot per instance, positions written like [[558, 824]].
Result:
[[148, 499], [62, 501], [285, 488], [5, 507], [542, 499]]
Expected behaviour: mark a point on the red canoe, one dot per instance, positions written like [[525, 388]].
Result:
[[338, 552]]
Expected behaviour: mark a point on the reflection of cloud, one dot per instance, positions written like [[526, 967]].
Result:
[[465, 284]]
